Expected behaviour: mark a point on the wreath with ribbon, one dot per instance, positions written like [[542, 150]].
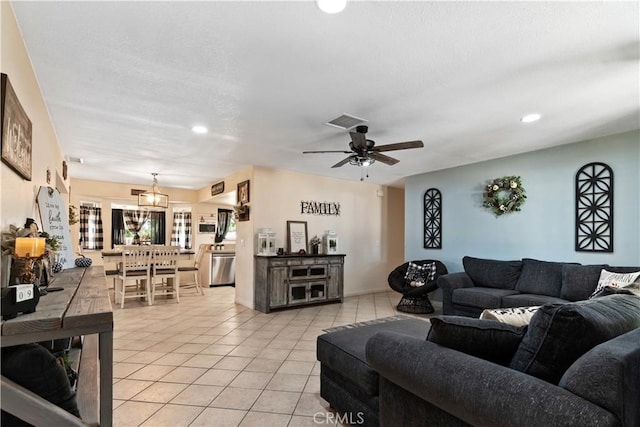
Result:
[[504, 195]]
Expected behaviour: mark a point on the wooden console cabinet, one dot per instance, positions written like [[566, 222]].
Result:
[[294, 280]]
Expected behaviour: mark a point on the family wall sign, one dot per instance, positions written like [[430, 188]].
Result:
[[310, 207]]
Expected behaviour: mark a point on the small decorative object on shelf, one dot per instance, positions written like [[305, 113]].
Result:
[[330, 242], [266, 242], [504, 195], [315, 245], [83, 261]]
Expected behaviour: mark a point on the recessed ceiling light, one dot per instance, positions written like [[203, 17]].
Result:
[[200, 129], [331, 6], [530, 118]]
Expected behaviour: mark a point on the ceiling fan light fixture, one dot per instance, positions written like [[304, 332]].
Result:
[[362, 162], [153, 198], [530, 118], [331, 6], [199, 129]]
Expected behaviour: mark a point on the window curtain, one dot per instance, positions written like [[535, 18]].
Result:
[[158, 228], [117, 227], [91, 227], [134, 220], [181, 230], [224, 219]]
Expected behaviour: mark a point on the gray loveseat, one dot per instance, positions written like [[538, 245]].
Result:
[[488, 283], [589, 353]]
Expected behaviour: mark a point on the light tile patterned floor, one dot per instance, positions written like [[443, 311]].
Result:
[[209, 362]]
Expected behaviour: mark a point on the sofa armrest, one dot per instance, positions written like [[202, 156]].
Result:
[[475, 390], [450, 282]]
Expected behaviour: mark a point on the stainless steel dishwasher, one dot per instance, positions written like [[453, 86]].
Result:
[[222, 268]]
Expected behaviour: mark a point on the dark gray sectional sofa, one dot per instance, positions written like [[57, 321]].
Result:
[[488, 283], [576, 364]]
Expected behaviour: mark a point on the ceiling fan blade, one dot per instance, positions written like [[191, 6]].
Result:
[[342, 162], [330, 151], [383, 158], [359, 140], [398, 146]]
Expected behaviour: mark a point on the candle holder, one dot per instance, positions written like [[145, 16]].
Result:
[[28, 250]]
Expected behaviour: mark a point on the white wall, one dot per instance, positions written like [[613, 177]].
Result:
[[369, 228], [18, 196], [544, 229]]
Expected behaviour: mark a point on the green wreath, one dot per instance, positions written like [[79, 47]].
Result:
[[504, 195]]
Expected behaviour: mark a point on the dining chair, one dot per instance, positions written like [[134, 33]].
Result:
[[164, 274], [135, 266], [193, 268]]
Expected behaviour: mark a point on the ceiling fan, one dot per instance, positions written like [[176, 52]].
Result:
[[364, 152]]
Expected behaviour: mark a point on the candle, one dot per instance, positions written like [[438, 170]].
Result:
[[30, 247]]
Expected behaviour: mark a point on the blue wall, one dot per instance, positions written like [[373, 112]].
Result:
[[544, 229]]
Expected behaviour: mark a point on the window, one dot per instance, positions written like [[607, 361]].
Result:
[[133, 226], [90, 226], [181, 231]]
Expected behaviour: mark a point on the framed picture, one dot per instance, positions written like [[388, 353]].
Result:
[[243, 192], [15, 132], [297, 236]]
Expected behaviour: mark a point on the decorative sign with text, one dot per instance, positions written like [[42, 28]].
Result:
[[217, 188], [319, 208], [53, 216]]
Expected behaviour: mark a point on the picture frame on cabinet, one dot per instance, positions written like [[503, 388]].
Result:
[[297, 236]]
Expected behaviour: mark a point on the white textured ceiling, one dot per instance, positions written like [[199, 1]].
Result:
[[125, 81]]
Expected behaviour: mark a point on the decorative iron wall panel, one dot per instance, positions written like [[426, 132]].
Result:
[[594, 208], [432, 219]]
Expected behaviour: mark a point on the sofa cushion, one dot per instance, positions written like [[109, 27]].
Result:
[[560, 333], [480, 297], [540, 277], [617, 360], [492, 273], [344, 351], [488, 339], [36, 369], [614, 280], [579, 281], [528, 300]]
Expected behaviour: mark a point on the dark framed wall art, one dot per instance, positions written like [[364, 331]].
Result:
[[243, 192], [15, 132]]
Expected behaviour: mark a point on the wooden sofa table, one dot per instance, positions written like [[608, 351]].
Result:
[[83, 308]]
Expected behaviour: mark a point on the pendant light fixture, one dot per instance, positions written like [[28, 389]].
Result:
[[153, 198]]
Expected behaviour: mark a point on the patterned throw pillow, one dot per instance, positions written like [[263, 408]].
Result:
[[516, 316], [420, 274], [614, 280]]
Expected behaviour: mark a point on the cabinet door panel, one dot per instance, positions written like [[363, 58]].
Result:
[[334, 283], [278, 287]]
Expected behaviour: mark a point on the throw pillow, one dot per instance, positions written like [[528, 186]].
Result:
[[614, 280], [516, 316], [579, 281], [560, 333], [418, 274], [490, 273], [541, 277], [487, 339]]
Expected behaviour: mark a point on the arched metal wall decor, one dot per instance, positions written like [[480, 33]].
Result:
[[594, 208], [433, 219]]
